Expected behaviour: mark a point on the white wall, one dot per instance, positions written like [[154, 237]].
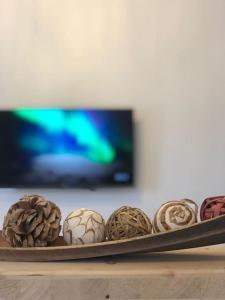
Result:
[[164, 58]]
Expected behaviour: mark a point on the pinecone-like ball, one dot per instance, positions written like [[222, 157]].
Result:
[[32, 222], [212, 207], [174, 215], [84, 226], [127, 222]]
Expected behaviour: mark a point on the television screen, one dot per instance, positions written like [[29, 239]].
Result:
[[52, 147]]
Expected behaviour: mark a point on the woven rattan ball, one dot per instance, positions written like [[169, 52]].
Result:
[[212, 207], [127, 222]]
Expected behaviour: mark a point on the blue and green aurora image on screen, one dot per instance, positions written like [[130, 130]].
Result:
[[66, 147]]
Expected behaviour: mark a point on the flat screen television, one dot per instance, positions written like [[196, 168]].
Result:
[[55, 147]]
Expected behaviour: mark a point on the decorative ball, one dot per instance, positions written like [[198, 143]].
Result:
[[212, 207], [32, 222], [84, 226], [127, 222], [174, 215]]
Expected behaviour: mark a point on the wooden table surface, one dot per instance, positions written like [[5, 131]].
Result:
[[186, 274]]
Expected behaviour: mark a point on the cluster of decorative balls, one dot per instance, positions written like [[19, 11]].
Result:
[[35, 221], [85, 226]]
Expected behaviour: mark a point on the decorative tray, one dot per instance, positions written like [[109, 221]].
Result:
[[206, 233]]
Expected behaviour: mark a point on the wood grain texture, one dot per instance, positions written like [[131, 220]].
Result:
[[206, 233], [185, 274]]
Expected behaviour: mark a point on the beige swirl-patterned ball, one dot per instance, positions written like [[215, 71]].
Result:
[[84, 226], [175, 215]]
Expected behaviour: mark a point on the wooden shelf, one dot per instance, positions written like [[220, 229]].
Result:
[[186, 274]]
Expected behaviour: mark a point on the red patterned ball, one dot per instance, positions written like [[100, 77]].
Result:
[[212, 207]]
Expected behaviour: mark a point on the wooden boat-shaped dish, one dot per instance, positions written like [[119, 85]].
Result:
[[206, 233]]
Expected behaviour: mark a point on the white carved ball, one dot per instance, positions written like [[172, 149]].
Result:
[[83, 226]]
